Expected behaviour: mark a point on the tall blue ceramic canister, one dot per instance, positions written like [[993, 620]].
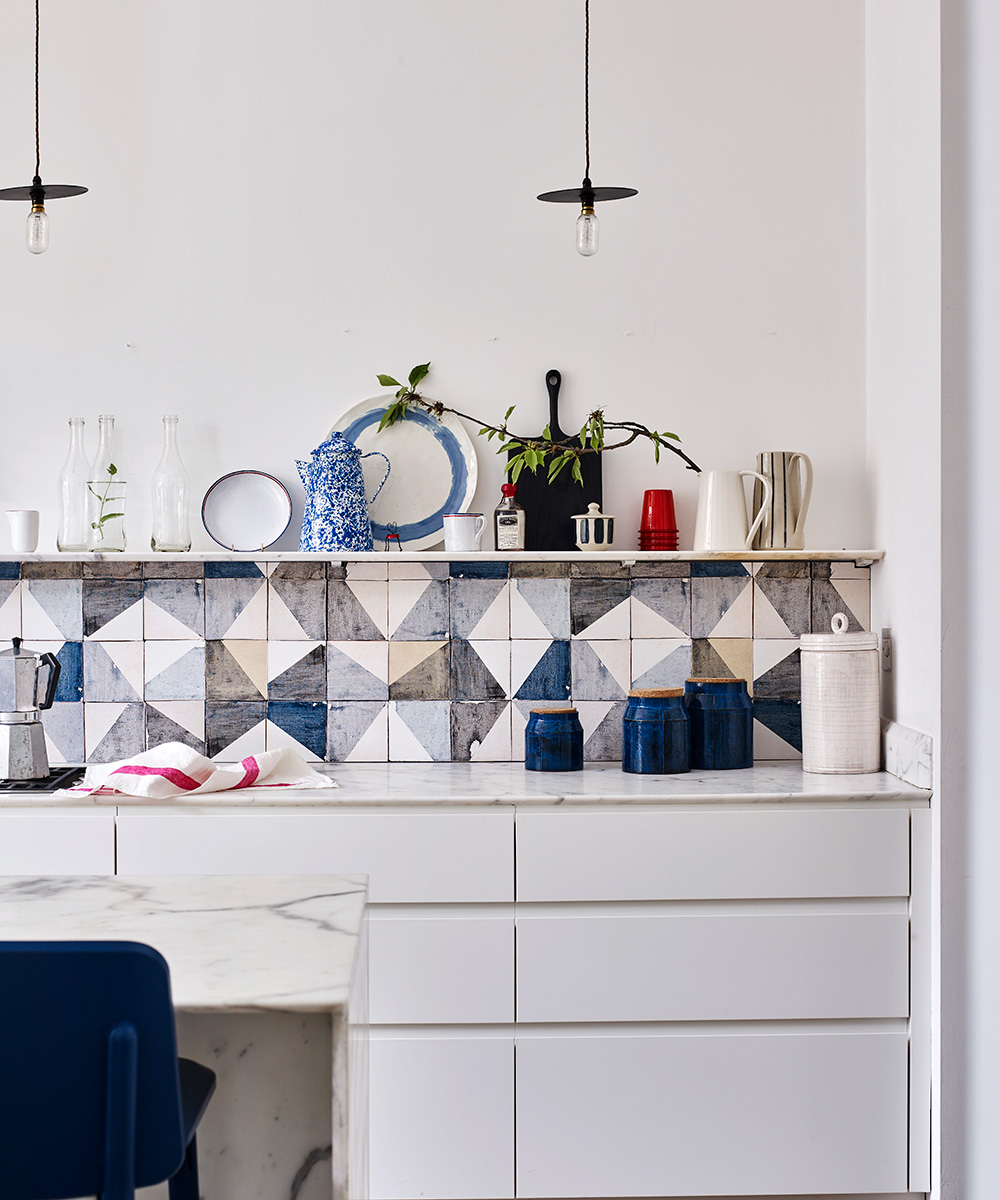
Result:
[[721, 723], [656, 732], [553, 740]]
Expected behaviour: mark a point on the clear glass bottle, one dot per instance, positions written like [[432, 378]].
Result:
[[106, 494], [171, 526], [72, 535], [508, 520]]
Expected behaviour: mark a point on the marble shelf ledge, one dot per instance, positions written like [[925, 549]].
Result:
[[861, 557], [415, 785]]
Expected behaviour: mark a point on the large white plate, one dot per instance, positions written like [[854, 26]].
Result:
[[246, 510], [434, 470]]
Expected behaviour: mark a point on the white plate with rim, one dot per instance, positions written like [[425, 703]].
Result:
[[246, 510], [434, 470]]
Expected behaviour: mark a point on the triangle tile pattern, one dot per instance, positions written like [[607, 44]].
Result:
[[357, 670], [69, 687], [114, 731], [419, 731], [602, 729], [539, 608], [236, 607], [722, 605], [296, 670], [479, 670], [175, 671], [419, 671], [235, 670], [358, 732], [479, 608], [112, 609], [357, 609], [418, 609], [63, 725], [540, 671], [601, 670], [480, 731], [170, 722], [52, 610], [297, 608], [849, 596], [661, 608], [782, 720], [188, 715], [722, 658], [10, 609], [599, 608], [661, 662], [297, 725], [112, 671], [234, 730], [782, 607], [776, 668], [174, 608]]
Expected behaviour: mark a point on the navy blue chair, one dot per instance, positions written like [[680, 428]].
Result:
[[93, 1098]]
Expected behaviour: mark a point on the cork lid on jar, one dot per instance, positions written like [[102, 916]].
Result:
[[710, 679], [656, 693], [840, 639], [553, 710]]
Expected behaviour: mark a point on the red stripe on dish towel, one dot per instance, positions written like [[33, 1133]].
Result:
[[251, 769], [171, 774]]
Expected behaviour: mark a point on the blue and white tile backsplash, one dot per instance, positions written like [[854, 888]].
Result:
[[368, 662]]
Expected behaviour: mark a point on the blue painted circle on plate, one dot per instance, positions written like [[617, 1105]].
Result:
[[434, 522]]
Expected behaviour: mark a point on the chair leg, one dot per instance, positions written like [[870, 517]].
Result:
[[184, 1185]]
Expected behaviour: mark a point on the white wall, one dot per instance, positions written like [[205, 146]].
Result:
[[288, 198]]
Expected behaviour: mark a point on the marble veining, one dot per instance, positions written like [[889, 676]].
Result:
[[908, 754]]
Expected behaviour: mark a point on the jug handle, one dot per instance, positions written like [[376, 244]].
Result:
[[388, 468], [55, 667], [764, 504], [806, 490]]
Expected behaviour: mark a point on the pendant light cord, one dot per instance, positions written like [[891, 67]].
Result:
[[38, 152], [586, 84]]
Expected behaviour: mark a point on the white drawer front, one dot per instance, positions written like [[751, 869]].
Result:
[[425, 857], [712, 855], [712, 967], [56, 842], [442, 1118], [706, 1115], [441, 970]]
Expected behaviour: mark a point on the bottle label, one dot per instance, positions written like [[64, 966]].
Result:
[[508, 531]]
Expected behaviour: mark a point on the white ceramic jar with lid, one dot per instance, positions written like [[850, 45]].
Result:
[[840, 701]]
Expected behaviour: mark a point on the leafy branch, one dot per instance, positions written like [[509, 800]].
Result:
[[553, 454], [102, 516]]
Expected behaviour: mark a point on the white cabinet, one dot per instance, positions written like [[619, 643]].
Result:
[[441, 1117], [760, 1112], [54, 841]]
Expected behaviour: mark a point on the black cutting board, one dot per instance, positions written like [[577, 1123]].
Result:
[[550, 507]]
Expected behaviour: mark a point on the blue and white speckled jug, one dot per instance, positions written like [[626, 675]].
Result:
[[336, 512]]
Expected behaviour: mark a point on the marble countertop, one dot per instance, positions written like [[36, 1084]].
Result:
[[615, 553], [234, 943], [411, 785]]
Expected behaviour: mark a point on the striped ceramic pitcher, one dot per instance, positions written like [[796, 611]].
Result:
[[790, 474]]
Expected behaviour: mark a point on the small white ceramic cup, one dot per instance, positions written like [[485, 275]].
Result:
[[463, 531], [23, 529]]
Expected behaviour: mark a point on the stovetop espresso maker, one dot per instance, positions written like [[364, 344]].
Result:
[[27, 686]]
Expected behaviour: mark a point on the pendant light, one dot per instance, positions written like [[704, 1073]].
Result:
[[586, 195], [38, 192]]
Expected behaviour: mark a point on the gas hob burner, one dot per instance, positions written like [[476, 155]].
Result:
[[62, 777]]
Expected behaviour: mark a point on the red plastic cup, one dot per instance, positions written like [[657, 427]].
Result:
[[658, 510]]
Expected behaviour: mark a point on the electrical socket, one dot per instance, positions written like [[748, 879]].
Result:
[[887, 650]]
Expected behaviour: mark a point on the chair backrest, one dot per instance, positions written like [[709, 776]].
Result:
[[87, 1045]]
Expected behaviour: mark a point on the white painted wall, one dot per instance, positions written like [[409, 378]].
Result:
[[288, 198]]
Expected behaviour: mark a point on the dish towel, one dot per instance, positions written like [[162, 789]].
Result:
[[174, 769]]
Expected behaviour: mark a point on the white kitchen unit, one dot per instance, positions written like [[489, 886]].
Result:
[[601, 985], [47, 838]]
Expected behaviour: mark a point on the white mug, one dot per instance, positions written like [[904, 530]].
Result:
[[463, 531], [721, 520], [23, 529], [791, 477]]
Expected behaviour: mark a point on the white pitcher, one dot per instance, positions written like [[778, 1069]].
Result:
[[721, 520], [791, 477]]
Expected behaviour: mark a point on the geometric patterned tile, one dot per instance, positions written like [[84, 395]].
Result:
[[478, 569], [176, 721], [10, 609], [720, 570], [602, 729], [296, 671], [112, 610], [298, 725], [722, 606], [173, 569], [599, 608], [235, 670], [113, 731], [850, 596], [63, 725], [234, 570], [418, 609], [777, 728], [540, 670], [723, 658], [480, 731], [413, 570], [357, 670], [419, 730], [234, 729], [69, 688], [539, 608], [52, 609], [174, 608], [601, 670], [235, 608], [480, 670], [10, 570], [661, 608], [781, 570], [776, 669], [480, 608], [357, 609], [296, 608], [51, 570], [419, 671], [174, 670], [112, 671], [781, 607], [661, 663], [358, 731]]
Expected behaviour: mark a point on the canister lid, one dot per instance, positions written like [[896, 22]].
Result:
[[553, 710], [656, 693], [840, 639], [712, 679]]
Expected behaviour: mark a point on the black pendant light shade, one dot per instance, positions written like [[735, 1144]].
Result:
[[586, 195], [38, 192]]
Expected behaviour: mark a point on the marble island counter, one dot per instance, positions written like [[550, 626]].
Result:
[[269, 982], [502, 783]]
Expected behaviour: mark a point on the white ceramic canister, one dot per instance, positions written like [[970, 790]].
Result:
[[840, 701]]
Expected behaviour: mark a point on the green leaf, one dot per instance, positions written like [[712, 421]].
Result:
[[547, 433], [112, 469], [515, 470], [110, 517], [557, 465], [656, 451], [577, 472], [388, 381], [484, 430], [418, 373], [506, 415], [401, 393]]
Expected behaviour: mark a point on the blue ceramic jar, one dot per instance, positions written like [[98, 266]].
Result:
[[553, 740], [656, 732], [721, 723]]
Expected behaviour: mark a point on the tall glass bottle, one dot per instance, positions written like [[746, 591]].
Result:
[[171, 527], [73, 478], [106, 494]]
